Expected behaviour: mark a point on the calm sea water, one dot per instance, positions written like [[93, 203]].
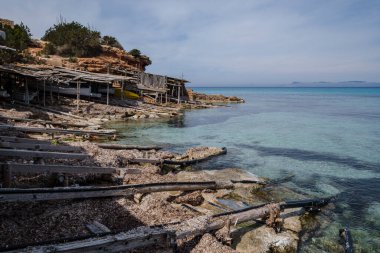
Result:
[[329, 138]]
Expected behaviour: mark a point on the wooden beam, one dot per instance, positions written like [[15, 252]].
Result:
[[140, 237], [40, 146], [22, 140], [44, 92], [78, 94], [108, 93], [64, 124], [40, 154], [144, 160], [56, 130], [43, 168], [43, 194]]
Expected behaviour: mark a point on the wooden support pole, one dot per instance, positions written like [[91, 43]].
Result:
[[7, 175], [78, 94], [179, 92], [26, 97], [44, 92], [51, 93], [38, 93], [108, 93]]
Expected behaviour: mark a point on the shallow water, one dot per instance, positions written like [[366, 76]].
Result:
[[328, 138]]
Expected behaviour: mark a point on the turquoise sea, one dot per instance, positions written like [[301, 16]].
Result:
[[328, 138]]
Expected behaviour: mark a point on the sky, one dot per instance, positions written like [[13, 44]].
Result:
[[230, 43]]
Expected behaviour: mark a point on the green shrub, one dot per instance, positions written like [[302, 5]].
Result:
[[74, 39], [18, 37], [135, 52], [49, 49], [111, 41]]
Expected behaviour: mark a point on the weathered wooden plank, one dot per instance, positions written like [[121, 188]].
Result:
[[64, 124], [40, 154], [56, 130], [40, 194], [120, 146], [40, 146], [144, 160], [122, 242], [43, 168], [22, 140]]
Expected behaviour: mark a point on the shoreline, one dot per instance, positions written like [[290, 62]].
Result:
[[181, 205]]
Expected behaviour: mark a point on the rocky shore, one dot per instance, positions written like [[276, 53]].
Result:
[[26, 223], [213, 99]]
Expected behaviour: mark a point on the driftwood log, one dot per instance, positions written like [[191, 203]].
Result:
[[42, 194]]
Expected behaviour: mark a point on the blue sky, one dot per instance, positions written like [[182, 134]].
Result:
[[218, 43]]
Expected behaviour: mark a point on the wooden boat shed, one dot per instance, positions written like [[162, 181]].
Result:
[[24, 82], [16, 79], [158, 87]]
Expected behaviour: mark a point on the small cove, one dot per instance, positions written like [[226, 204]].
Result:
[[328, 138]]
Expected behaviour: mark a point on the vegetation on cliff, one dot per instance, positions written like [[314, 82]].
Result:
[[72, 39], [18, 37], [111, 41]]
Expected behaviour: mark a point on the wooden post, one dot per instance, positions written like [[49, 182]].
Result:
[[58, 93], [26, 97], [38, 93], [179, 93], [108, 85], [44, 92], [51, 93], [78, 94], [108, 93], [7, 176]]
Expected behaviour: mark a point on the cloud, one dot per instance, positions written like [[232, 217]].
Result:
[[230, 42]]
